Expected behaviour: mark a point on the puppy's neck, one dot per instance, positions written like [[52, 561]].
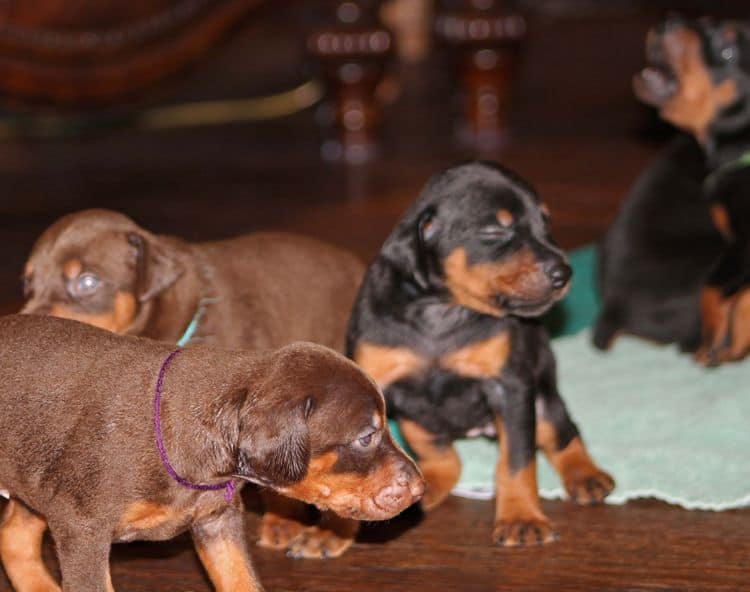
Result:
[[166, 316], [200, 418]]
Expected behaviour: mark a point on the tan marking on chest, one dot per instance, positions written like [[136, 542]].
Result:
[[143, 515], [117, 320], [484, 359], [387, 365]]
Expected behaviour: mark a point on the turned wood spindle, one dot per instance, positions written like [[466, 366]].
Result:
[[487, 35], [352, 56]]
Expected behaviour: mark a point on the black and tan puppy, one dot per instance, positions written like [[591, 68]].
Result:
[[446, 323], [259, 291], [79, 446], [676, 263]]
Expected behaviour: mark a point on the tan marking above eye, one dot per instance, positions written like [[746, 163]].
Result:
[[483, 359], [387, 364], [544, 208], [72, 268], [505, 217], [118, 320]]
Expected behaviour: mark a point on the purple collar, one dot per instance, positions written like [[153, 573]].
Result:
[[228, 486]]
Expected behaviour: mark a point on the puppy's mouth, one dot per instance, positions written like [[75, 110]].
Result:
[[383, 505], [531, 308], [658, 82]]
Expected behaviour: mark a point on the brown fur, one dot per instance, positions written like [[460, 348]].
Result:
[[387, 364], [439, 462], [725, 326], [77, 444], [272, 288], [697, 101], [482, 359], [519, 519], [474, 285]]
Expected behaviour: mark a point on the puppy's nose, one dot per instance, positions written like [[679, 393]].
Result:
[[560, 274]]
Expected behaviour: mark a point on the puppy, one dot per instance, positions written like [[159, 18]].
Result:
[[112, 439], [259, 291], [446, 324], [699, 78]]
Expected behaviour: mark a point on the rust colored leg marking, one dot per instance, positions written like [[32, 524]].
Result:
[[21, 533], [519, 519], [228, 566], [439, 464], [585, 482]]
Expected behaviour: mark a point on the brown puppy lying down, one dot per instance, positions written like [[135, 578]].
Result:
[[78, 446], [259, 291]]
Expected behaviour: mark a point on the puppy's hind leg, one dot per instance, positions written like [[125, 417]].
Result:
[[21, 533], [558, 437]]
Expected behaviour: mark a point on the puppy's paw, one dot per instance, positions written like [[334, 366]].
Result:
[[277, 532], [523, 533], [319, 543], [590, 488]]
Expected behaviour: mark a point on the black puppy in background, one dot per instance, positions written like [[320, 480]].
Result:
[[446, 323], [675, 266]]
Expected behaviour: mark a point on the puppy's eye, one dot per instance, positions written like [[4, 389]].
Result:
[[368, 440], [84, 285], [495, 233]]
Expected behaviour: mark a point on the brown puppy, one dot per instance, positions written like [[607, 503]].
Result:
[[78, 446], [260, 291]]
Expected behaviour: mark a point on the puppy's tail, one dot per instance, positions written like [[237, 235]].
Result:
[[607, 326]]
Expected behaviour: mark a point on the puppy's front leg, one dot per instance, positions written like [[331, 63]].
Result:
[[438, 461], [328, 539], [222, 547], [83, 553], [519, 519]]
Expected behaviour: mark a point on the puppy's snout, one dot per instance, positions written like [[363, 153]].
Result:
[[559, 274], [407, 488]]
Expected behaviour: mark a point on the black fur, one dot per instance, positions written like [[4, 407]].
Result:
[[405, 302], [663, 248]]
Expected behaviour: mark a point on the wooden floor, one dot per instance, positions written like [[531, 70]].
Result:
[[578, 135]]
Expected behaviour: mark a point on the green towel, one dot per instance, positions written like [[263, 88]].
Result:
[[661, 425]]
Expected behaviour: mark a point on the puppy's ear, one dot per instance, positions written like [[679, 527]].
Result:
[[156, 267], [408, 247], [275, 449]]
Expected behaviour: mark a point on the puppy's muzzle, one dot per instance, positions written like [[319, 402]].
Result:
[[406, 489]]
